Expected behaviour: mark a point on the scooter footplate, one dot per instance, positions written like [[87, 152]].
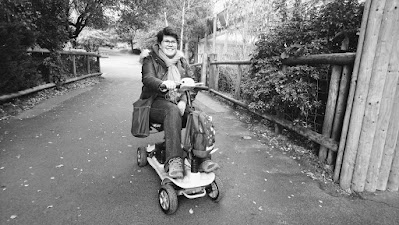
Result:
[[190, 180]]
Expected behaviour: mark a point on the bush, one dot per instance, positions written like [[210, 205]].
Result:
[[227, 77], [17, 69], [296, 93]]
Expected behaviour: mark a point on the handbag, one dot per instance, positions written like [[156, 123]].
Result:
[[141, 117]]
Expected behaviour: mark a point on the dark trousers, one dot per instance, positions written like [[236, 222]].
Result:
[[167, 113]]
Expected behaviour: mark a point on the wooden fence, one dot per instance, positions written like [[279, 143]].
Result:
[[336, 103], [361, 123], [368, 156], [326, 140], [89, 72]]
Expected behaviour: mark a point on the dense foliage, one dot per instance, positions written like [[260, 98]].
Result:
[[44, 24], [295, 93]]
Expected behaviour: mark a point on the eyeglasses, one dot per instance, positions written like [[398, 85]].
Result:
[[167, 42]]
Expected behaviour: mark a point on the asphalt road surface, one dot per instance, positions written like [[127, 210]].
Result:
[[72, 160]]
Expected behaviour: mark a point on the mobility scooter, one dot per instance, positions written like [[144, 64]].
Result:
[[194, 184]]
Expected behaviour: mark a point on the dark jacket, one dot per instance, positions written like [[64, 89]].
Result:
[[154, 73]]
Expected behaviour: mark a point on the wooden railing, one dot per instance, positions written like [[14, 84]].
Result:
[[337, 95], [75, 77], [74, 54]]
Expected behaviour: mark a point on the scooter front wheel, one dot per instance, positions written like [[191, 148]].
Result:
[[215, 190], [168, 199], [142, 156]]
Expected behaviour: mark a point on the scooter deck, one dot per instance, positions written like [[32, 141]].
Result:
[[190, 180]]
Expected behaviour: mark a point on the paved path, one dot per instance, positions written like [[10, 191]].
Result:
[[72, 160]]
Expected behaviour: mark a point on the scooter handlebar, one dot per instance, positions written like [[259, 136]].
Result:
[[182, 86]]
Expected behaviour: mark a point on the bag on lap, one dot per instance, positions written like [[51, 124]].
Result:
[[200, 134]]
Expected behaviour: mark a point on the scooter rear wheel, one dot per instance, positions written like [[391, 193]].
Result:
[[142, 156], [168, 199]]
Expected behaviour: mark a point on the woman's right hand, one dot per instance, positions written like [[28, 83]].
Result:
[[169, 85]]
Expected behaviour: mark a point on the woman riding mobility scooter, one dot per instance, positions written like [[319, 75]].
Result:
[[199, 133]]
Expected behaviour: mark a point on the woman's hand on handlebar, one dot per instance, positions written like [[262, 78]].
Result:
[[182, 107], [168, 85]]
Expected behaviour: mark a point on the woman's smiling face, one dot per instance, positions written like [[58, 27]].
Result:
[[169, 45]]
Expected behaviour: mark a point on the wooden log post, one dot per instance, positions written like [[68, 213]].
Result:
[[213, 72], [368, 157], [367, 57], [237, 91], [393, 127], [98, 64], [339, 172], [88, 64], [387, 66], [341, 102], [340, 110], [330, 108], [74, 65], [393, 180], [204, 68]]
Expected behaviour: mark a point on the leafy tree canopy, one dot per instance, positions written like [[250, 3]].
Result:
[[92, 13]]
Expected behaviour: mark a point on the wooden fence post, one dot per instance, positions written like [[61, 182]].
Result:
[[341, 102], [204, 69], [339, 172], [88, 64], [213, 73], [74, 65], [392, 132], [368, 154], [393, 181], [386, 71], [237, 90], [340, 110], [356, 116], [98, 63], [330, 108]]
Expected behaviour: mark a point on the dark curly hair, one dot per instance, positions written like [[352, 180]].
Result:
[[168, 31]]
